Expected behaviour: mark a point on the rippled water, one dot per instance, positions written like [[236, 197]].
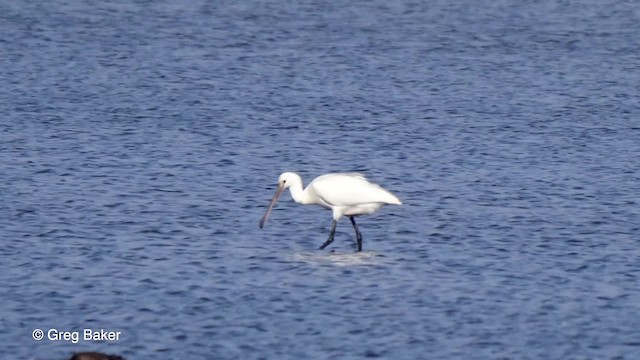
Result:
[[140, 143]]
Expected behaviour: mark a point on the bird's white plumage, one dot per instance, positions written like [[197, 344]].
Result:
[[349, 194], [349, 190]]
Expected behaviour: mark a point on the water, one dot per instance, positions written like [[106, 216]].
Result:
[[140, 143]]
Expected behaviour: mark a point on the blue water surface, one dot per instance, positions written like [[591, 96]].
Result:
[[140, 143]]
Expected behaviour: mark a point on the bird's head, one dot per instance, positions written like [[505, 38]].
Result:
[[287, 179]]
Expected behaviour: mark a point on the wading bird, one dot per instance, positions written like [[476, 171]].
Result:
[[347, 194]]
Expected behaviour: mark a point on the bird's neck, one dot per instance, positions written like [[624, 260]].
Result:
[[300, 196]]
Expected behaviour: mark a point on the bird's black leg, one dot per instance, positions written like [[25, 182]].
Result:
[[358, 234], [331, 235]]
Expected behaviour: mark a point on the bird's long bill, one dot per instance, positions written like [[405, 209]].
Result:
[[271, 205]]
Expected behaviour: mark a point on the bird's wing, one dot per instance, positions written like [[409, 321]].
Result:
[[350, 189], [355, 175]]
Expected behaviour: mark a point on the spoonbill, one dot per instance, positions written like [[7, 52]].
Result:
[[349, 194]]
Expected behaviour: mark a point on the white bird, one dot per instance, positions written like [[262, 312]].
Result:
[[347, 194]]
